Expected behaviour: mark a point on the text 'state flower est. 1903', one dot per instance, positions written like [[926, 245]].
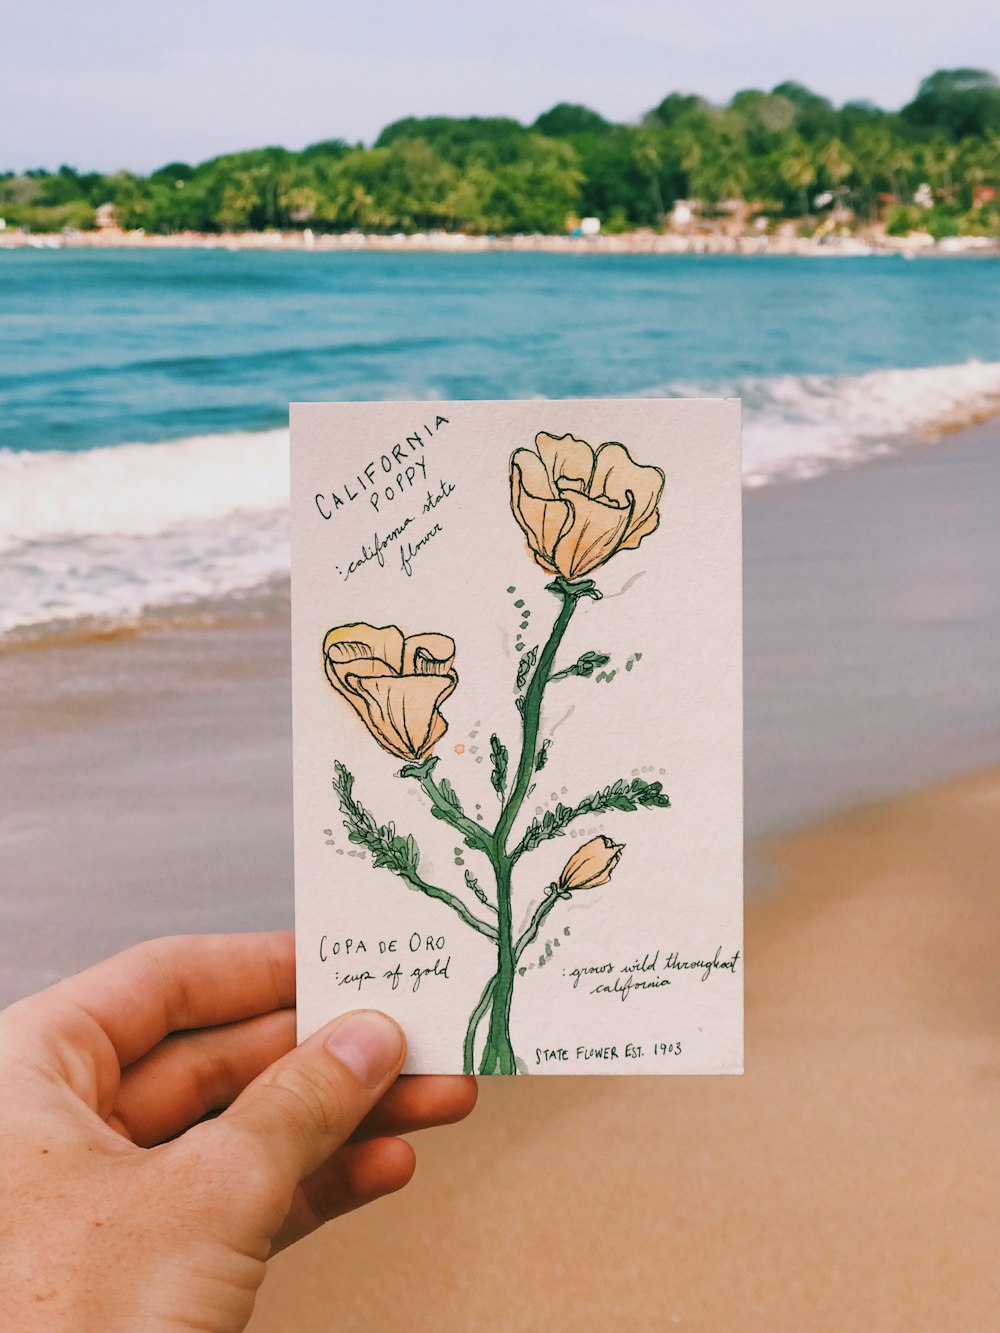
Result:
[[577, 506], [591, 865], [395, 684]]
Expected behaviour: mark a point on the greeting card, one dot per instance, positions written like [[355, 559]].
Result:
[[518, 730]]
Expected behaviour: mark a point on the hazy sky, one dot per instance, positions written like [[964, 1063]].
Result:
[[130, 83]]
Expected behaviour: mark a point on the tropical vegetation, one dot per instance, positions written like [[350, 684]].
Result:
[[778, 154]]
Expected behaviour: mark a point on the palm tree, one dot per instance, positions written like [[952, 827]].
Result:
[[798, 171], [837, 166], [649, 160]]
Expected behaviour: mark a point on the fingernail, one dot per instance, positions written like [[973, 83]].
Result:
[[368, 1043]]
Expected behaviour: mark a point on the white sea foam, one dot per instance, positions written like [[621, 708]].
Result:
[[116, 532], [798, 426], [140, 490]]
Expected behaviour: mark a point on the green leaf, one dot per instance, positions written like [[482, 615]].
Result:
[[450, 795], [498, 753], [588, 663], [543, 756], [397, 852], [472, 883], [524, 667], [622, 795], [585, 666]]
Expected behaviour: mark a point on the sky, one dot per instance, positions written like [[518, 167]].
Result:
[[126, 84]]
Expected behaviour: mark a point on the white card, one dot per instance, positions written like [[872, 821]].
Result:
[[517, 679]]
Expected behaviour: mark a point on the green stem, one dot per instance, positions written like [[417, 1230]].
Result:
[[498, 1055], [531, 713], [535, 924], [469, 1047], [530, 933], [456, 904], [470, 830]]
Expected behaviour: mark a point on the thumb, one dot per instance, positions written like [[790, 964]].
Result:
[[304, 1106]]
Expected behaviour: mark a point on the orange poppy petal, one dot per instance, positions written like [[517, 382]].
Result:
[[402, 711], [634, 535], [428, 654], [620, 478], [566, 459], [351, 645], [541, 520], [534, 477], [595, 531]]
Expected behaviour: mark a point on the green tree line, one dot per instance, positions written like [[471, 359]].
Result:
[[779, 150]]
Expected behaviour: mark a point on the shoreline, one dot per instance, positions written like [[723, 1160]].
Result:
[[148, 766], [243, 603], [850, 1176], [872, 641], [627, 243]]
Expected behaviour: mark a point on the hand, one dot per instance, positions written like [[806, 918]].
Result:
[[121, 1206]]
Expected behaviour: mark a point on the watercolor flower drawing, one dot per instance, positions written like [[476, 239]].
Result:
[[591, 865], [396, 685], [577, 507]]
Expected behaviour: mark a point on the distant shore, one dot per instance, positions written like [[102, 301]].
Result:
[[694, 242]]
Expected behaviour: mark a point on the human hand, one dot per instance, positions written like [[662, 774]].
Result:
[[121, 1208]]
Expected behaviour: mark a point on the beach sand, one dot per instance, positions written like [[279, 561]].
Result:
[[146, 782], [706, 237], [850, 1180]]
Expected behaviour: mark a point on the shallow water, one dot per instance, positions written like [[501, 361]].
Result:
[[143, 455]]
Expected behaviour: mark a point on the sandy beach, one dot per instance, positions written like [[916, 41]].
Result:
[[850, 1179], [146, 787], [717, 240]]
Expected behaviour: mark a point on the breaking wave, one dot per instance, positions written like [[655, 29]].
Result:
[[118, 531]]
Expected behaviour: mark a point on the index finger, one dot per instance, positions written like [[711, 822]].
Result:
[[180, 982]]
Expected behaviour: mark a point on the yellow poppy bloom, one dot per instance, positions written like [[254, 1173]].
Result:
[[395, 684], [577, 506]]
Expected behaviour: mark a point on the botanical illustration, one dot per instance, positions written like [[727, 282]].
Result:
[[578, 507]]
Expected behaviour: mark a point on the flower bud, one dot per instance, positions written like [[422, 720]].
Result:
[[590, 865]]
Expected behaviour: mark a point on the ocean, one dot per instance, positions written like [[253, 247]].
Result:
[[144, 395]]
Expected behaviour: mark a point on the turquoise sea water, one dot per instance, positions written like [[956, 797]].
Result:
[[143, 395]]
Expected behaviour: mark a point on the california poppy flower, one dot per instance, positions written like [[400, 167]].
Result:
[[395, 684], [577, 506]]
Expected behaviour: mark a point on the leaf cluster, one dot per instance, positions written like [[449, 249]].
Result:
[[472, 883], [620, 795], [450, 795], [524, 667], [498, 754], [396, 851]]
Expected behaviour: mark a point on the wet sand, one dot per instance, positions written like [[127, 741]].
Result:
[[145, 786], [849, 1181]]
